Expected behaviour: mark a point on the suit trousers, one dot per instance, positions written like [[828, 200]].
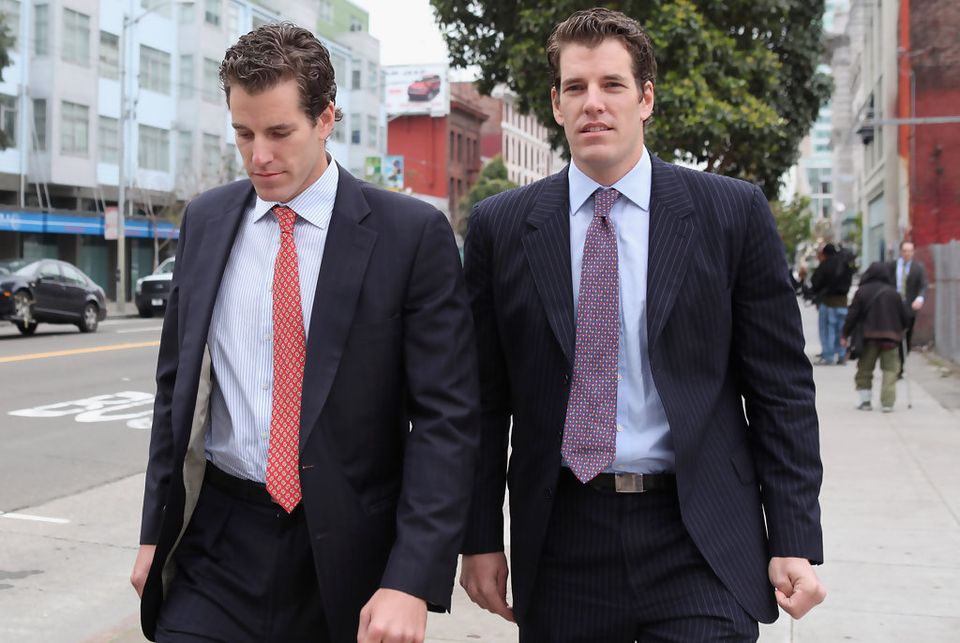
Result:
[[619, 568], [245, 573]]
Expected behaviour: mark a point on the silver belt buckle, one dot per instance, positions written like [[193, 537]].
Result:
[[628, 482]]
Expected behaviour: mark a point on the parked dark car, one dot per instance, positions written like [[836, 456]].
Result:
[[425, 88], [153, 290], [49, 291]]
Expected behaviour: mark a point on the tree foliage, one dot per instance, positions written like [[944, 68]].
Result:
[[737, 85], [793, 223], [493, 179]]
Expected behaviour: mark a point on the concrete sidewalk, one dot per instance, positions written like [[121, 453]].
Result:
[[891, 518]]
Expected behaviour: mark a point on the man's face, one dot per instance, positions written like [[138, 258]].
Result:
[[283, 152], [906, 251], [601, 108]]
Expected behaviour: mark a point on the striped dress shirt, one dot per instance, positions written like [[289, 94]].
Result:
[[241, 329]]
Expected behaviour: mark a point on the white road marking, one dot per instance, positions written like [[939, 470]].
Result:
[[16, 516]]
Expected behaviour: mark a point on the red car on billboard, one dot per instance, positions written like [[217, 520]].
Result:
[[425, 88]]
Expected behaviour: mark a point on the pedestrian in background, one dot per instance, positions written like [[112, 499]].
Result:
[[638, 331], [830, 285], [314, 431], [880, 313], [910, 278]]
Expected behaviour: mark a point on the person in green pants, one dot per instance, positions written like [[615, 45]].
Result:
[[879, 311]]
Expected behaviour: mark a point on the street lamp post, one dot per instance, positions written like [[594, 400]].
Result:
[[127, 22]]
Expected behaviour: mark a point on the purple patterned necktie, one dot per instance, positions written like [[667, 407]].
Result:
[[590, 435]]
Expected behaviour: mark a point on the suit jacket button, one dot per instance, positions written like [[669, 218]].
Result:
[[549, 493], [566, 378]]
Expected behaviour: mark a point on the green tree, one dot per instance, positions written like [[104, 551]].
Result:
[[737, 85], [793, 223], [8, 41], [493, 179]]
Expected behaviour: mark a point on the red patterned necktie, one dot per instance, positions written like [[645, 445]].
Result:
[[289, 356], [590, 435]]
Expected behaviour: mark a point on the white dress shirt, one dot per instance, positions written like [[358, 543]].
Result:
[[241, 330]]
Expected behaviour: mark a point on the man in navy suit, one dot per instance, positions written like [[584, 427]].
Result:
[[315, 426], [637, 328]]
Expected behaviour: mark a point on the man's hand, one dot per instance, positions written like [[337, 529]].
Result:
[[392, 616], [797, 588], [484, 576], [917, 304], [141, 567], [844, 341]]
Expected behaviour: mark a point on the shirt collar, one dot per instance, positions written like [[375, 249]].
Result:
[[635, 184], [315, 204]]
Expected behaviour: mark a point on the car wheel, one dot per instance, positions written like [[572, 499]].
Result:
[[90, 318], [27, 329], [145, 312]]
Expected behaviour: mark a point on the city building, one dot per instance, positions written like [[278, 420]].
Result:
[[520, 139], [436, 131], [904, 83], [70, 143]]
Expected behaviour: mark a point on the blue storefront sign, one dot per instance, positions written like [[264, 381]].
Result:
[[41, 222]]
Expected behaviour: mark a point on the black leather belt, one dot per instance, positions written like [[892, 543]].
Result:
[[632, 482], [239, 488]]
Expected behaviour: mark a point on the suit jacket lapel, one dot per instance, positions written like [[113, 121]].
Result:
[[345, 257], [218, 230], [546, 243], [671, 235]]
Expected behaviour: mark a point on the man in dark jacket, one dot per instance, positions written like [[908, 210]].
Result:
[[829, 286], [878, 308]]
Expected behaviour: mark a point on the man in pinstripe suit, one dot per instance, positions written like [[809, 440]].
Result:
[[700, 512]]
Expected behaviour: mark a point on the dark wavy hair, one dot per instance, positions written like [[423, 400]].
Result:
[[273, 53], [591, 27]]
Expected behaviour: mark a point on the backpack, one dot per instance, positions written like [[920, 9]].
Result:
[[846, 268]]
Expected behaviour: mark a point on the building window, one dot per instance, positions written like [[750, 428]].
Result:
[[186, 76], [325, 11], [41, 30], [230, 162], [233, 22], [211, 155], [108, 140], [339, 134], [211, 14], [8, 118], [186, 13], [258, 21], [11, 18], [40, 124], [154, 70], [184, 151], [356, 24], [74, 129], [355, 129], [109, 56], [371, 131], [154, 149], [211, 80], [76, 38], [356, 78], [372, 76], [339, 67]]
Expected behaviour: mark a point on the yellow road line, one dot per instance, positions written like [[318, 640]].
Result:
[[78, 351]]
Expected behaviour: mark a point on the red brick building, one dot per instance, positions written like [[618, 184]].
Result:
[[441, 153]]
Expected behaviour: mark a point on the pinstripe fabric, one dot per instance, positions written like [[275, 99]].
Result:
[[725, 349], [622, 568], [241, 329]]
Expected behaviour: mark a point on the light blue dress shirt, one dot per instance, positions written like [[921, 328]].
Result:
[[644, 444], [241, 329]]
